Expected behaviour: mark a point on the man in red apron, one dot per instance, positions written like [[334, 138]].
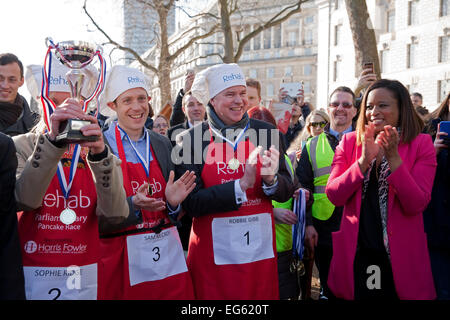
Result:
[[62, 189], [142, 258], [232, 252]]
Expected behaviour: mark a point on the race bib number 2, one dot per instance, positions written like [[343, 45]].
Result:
[[61, 283], [238, 240]]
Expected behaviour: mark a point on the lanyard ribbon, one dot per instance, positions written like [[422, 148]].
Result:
[[145, 162], [298, 229], [65, 187], [234, 143]]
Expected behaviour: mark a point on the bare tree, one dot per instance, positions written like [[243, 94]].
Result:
[[166, 58], [233, 49], [363, 34]]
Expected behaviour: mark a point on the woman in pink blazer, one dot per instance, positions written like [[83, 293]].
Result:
[[383, 175]]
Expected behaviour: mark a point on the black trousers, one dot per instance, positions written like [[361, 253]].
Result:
[[287, 282], [373, 276]]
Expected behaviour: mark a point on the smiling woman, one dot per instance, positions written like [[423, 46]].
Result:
[[383, 177]]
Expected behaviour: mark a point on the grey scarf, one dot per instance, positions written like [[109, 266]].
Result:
[[217, 123]]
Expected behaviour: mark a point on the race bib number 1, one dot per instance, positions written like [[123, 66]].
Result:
[[238, 240]]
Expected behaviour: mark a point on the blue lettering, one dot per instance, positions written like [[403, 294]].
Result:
[[134, 80], [231, 77], [56, 81]]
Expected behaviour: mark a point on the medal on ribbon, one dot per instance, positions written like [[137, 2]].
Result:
[[68, 216], [233, 163]]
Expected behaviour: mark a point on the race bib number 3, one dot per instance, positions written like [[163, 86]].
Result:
[[238, 240], [155, 256], [61, 283]]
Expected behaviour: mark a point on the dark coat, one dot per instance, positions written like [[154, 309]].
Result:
[[176, 129], [221, 198], [437, 215], [12, 284], [27, 120]]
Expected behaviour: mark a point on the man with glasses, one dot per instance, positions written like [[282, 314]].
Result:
[[314, 168]]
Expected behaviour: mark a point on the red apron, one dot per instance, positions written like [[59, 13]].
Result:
[[232, 254], [139, 263], [60, 261]]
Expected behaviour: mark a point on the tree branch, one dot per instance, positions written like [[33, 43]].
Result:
[[275, 20], [119, 46]]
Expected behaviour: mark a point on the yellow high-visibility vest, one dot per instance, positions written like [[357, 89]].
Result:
[[321, 157]]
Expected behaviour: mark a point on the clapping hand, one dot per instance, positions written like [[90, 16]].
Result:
[[142, 201], [370, 148], [388, 139], [177, 191], [248, 179], [270, 160]]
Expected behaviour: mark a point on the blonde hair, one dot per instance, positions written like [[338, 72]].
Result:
[[305, 134]]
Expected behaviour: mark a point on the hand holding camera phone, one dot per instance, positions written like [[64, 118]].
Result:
[[444, 126], [289, 91], [369, 65]]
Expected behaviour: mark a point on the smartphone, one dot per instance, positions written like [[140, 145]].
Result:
[[292, 88], [444, 126], [367, 65]]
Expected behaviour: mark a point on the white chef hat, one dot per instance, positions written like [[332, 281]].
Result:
[[213, 80], [57, 78], [118, 80]]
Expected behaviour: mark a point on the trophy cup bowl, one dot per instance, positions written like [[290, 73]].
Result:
[[75, 55]]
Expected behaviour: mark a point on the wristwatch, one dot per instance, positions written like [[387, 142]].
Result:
[[275, 179]]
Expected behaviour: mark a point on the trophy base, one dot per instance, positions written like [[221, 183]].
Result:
[[70, 132]]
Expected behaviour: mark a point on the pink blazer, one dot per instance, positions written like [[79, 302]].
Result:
[[409, 193]]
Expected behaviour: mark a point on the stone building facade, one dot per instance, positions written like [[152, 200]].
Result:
[[412, 40]]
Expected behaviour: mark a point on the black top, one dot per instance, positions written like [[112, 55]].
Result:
[[370, 235]]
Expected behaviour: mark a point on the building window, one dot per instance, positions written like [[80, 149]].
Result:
[[390, 21], [288, 71], [293, 22], [443, 89], [277, 36], [246, 31], [270, 72], [337, 70], [257, 42], [412, 12], [306, 87], [292, 39], [267, 38], [443, 49], [308, 36], [411, 55], [309, 19], [269, 90], [336, 4], [307, 70], [337, 34], [384, 57], [253, 73], [444, 8]]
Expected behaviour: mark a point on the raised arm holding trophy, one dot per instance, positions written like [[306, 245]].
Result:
[[76, 55]]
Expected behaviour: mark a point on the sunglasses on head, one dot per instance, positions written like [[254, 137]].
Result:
[[321, 124], [345, 105]]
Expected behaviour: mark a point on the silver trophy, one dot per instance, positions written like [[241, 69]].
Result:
[[76, 55]]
